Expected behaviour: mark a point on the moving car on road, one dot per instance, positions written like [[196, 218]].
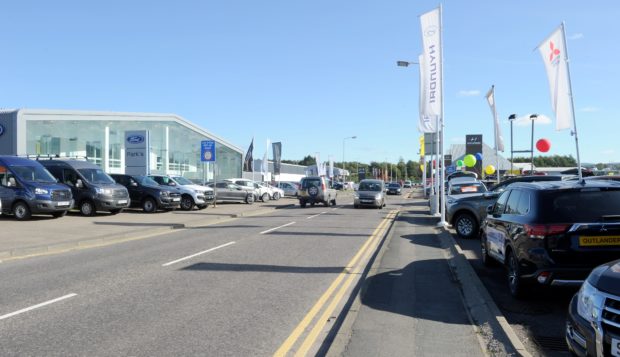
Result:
[[316, 189], [393, 188], [593, 323], [27, 188], [93, 190], [552, 233], [147, 194], [370, 193]]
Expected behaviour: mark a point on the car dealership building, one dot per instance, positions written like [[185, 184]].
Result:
[[173, 143]]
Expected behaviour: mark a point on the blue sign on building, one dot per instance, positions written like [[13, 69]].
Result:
[[450, 169], [207, 150]]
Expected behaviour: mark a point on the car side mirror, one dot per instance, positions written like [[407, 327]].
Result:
[[11, 182], [491, 194], [133, 184], [490, 209], [79, 183]]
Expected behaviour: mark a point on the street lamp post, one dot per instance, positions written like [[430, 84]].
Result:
[[532, 118], [344, 177], [511, 119]]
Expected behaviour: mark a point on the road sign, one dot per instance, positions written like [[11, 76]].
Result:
[[207, 150]]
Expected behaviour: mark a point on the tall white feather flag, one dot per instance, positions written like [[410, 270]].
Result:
[[499, 139], [426, 123], [265, 164], [553, 53], [431, 64]]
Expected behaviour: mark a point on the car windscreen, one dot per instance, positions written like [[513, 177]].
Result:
[[311, 183], [393, 185], [32, 173], [144, 180], [467, 187], [96, 176], [182, 180], [369, 186], [587, 205]]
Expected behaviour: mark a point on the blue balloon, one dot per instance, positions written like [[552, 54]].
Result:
[[479, 156]]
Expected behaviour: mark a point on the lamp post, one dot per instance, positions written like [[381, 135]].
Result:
[[511, 119], [532, 118], [344, 177]]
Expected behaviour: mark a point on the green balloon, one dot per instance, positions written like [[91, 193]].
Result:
[[460, 163], [470, 160]]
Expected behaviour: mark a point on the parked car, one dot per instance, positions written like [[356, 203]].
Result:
[[275, 193], [369, 193], [552, 233], [207, 192], [262, 191], [337, 185], [289, 188], [407, 184], [393, 188], [228, 191], [465, 211], [316, 189], [147, 194], [27, 188], [92, 189], [593, 322], [461, 174], [191, 195], [247, 185]]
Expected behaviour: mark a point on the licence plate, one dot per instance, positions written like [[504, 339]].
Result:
[[596, 241], [615, 347], [177, 199], [63, 203], [366, 201], [120, 202]]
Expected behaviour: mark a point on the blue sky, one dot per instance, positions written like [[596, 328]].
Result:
[[310, 73]]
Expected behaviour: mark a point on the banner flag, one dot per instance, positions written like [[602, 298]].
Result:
[[331, 167], [248, 163], [265, 164], [553, 53], [277, 157], [426, 124], [499, 139], [431, 65], [422, 145]]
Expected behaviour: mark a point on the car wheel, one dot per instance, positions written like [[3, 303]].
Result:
[[87, 208], [149, 205], [515, 283], [116, 211], [302, 204], [276, 196], [326, 202], [249, 199], [187, 203], [484, 251], [59, 214], [21, 211], [265, 197], [466, 225]]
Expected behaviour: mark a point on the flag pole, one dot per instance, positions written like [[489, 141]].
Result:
[[442, 222], [495, 124], [570, 95]]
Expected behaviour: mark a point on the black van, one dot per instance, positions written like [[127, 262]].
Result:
[[26, 187], [148, 194], [93, 190]]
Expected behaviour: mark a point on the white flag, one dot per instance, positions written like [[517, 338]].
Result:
[[318, 164], [331, 167], [553, 52], [431, 64], [265, 164], [426, 124], [499, 139]]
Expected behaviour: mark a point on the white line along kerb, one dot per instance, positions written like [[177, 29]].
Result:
[[37, 306], [197, 254], [273, 229]]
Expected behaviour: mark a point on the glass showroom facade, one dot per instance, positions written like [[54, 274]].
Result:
[[174, 143]]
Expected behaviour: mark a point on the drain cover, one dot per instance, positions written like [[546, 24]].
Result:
[[551, 343]]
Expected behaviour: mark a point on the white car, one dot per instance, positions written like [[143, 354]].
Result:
[[275, 193]]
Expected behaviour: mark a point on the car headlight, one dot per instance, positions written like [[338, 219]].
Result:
[[589, 302], [103, 191], [40, 191], [378, 196]]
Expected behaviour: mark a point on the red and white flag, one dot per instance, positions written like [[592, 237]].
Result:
[[553, 52], [430, 24], [499, 139]]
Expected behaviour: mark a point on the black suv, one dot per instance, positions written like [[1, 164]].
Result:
[[147, 194], [593, 323], [552, 233]]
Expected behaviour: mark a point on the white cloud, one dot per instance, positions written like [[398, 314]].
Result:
[[577, 36], [590, 109], [525, 120], [469, 93]]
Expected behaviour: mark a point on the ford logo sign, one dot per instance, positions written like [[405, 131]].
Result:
[[135, 139]]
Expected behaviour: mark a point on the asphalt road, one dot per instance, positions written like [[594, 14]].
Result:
[[538, 320], [238, 288]]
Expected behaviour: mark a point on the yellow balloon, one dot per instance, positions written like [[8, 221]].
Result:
[[490, 169]]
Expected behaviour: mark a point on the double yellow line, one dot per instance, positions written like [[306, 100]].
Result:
[[352, 270]]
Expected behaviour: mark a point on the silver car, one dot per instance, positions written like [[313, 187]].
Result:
[[370, 193]]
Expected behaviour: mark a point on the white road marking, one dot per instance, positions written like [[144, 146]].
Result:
[[273, 229], [37, 306], [316, 215], [197, 254]]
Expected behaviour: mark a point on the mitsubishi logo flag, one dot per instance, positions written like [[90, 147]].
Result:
[[499, 139], [248, 163], [431, 64], [277, 157], [553, 52], [426, 124]]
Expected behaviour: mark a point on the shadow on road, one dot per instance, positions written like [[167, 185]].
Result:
[[264, 268]]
